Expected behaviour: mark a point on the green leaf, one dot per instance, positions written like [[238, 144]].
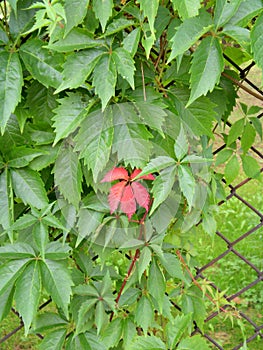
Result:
[[189, 32], [245, 12], [24, 221], [40, 235], [112, 334], [173, 266], [49, 155], [27, 294], [69, 114], [56, 274], [144, 313], [47, 320], [82, 313], [10, 271], [257, 125], [101, 318], [117, 25], [21, 156], [75, 12], [124, 64], [148, 343], [131, 41], [68, 175], [224, 10], [248, 137], [7, 204], [151, 115], [235, 131], [105, 77], [241, 35], [94, 140], [193, 343], [250, 166], [177, 328], [232, 169], [103, 11], [149, 8], [6, 301], [17, 251], [129, 332], [77, 39], [187, 183], [181, 145], [43, 66], [131, 138], [78, 66], [223, 156], [156, 165], [57, 250], [187, 8], [199, 116], [29, 187], [10, 85], [206, 67], [257, 41], [156, 283], [144, 261], [54, 340], [162, 186], [88, 222]]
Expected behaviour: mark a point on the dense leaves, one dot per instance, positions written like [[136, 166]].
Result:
[[108, 116]]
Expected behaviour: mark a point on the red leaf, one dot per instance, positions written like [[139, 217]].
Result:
[[115, 195], [116, 174], [128, 203], [141, 195], [136, 172]]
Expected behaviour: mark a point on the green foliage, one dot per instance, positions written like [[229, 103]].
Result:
[[89, 88]]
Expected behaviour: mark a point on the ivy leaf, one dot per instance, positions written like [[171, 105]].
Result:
[[151, 115], [100, 316], [232, 169], [116, 174], [131, 138], [131, 41], [43, 66], [257, 41], [105, 77], [29, 186], [117, 25], [251, 167], [7, 205], [88, 222], [181, 145], [6, 301], [189, 32], [27, 294], [78, 67], [47, 320], [245, 12], [69, 114], [156, 283], [17, 251], [199, 116], [235, 131], [124, 64], [223, 156], [144, 313], [206, 68], [156, 165], [75, 12], [144, 261], [54, 275], [53, 340], [10, 271], [224, 10], [239, 34], [196, 342], [94, 140], [187, 183], [187, 8], [68, 175], [248, 137], [112, 334], [148, 343], [177, 328], [162, 186], [10, 85], [40, 235], [103, 11], [149, 8], [21, 156]]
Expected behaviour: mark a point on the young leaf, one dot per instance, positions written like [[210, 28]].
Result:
[[43, 66], [75, 12], [224, 10], [248, 137], [29, 187], [223, 156], [94, 140], [69, 114], [104, 79], [27, 294], [187, 183], [156, 283], [187, 8], [149, 8], [68, 175], [232, 169], [54, 275], [235, 131], [124, 64], [10, 85], [189, 32], [103, 11], [144, 313], [7, 204], [257, 41], [206, 68], [54, 340]]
